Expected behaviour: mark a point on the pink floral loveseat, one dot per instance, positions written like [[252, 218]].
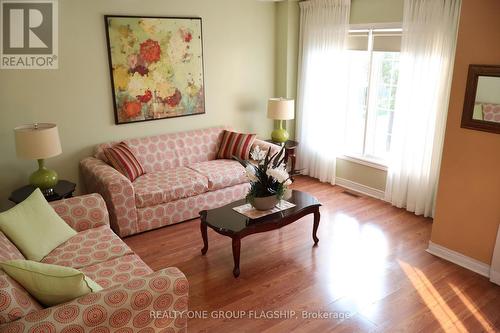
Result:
[[182, 178], [132, 294]]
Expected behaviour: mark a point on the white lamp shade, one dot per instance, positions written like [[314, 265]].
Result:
[[37, 141], [280, 109]]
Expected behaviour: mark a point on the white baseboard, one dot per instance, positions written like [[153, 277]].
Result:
[[495, 276], [495, 261], [459, 259], [357, 187]]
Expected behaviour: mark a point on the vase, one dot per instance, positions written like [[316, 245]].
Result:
[[265, 203]]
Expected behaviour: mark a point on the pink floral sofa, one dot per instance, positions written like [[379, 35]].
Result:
[[182, 178], [131, 290]]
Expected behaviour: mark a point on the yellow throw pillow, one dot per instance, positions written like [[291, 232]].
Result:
[[49, 284], [34, 227]]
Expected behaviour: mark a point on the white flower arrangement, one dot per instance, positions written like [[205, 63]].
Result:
[[250, 171], [258, 154], [280, 174], [269, 177]]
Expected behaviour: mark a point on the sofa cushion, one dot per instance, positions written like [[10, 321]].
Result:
[[123, 159], [117, 271], [49, 284], [169, 185], [221, 173], [198, 145], [15, 302], [87, 248], [34, 227], [82, 212], [171, 150], [235, 144]]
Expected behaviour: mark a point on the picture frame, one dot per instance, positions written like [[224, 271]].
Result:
[[482, 99], [156, 67]]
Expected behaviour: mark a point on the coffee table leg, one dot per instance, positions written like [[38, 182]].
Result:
[[236, 256], [315, 227], [203, 228]]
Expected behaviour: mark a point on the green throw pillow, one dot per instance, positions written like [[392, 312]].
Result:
[[49, 284], [34, 227]]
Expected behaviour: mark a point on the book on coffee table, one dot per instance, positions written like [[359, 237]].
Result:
[[249, 211]]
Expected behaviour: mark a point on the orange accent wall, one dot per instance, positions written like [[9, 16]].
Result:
[[468, 199]]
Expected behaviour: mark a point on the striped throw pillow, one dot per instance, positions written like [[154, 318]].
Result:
[[122, 159], [235, 144]]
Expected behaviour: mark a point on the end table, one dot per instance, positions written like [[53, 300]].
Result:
[[6, 205], [64, 189], [290, 148]]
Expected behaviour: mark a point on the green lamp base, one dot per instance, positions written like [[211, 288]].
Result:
[[44, 178], [280, 134]]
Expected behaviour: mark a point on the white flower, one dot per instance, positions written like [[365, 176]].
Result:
[[257, 154], [138, 84], [279, 174], [177, 48], [250, 171]]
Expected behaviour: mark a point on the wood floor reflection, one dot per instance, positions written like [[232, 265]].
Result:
[[370, 272]]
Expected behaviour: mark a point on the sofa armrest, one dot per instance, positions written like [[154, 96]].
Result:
[[82, 212], [117, 191], [155, 301], [264, 145]]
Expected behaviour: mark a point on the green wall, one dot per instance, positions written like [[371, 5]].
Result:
[[287, 46], [362, 174], [376, 11]]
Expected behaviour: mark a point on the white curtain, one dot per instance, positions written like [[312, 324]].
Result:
[[426, 64], [322, 92]]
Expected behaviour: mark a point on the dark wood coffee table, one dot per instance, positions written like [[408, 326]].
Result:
[[228, 222]]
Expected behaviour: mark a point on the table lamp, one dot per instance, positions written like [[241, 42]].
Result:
[[280, 109], [38, 142]]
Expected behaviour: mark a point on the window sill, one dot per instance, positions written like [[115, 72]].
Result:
[[372, 163]]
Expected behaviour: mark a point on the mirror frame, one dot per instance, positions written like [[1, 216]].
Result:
[[470, 98]]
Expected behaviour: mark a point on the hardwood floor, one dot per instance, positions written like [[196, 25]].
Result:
[[370, 272]]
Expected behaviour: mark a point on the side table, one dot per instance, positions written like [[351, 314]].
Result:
[[64, 189], [290, 150], [6, 205]]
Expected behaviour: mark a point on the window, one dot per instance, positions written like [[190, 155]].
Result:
[[372, 84]]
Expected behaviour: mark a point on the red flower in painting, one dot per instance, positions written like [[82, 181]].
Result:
[[131, 109], [186, 35], [150, 51], [146, 97], [175, 99]]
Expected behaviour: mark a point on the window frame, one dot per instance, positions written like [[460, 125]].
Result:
[[364, 159]]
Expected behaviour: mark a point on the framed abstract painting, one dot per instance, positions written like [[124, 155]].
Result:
[[156, 66]]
